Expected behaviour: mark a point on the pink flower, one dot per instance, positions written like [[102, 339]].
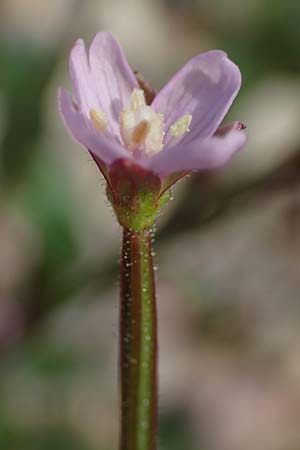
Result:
[[178, 132]]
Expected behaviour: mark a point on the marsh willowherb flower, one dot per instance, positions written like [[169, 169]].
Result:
[[143, 143], [150, 139]]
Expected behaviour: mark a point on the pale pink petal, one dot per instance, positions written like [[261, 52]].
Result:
[[113, 79], [201, 154], [205, 88], [83, 86], [103, 80], [82, 131]]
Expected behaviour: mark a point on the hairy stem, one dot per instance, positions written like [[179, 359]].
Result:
[[138, 343]]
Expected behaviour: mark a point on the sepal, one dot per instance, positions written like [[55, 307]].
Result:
[[135, 194]]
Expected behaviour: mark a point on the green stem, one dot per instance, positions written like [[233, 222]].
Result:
[[138, 343]]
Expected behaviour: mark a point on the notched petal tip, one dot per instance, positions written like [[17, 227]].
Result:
[[77, 51], [105, 43], [79, 42]]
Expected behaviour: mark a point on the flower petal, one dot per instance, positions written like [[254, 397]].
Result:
[[201, 154], [205, 88], [82, 131], [103, 81], [81, 79], [113, 79]]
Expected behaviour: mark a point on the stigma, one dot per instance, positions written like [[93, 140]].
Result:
[[140, 126]]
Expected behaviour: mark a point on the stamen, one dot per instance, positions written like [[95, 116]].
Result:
[[98, 119], [181, 126], [137, 99]]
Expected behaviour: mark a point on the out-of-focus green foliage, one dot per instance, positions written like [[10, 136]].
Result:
[[48, 439], [25, 72]]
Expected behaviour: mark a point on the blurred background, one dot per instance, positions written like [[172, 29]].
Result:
[[228, 245]]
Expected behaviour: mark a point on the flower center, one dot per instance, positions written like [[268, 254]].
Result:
[[140, 126]]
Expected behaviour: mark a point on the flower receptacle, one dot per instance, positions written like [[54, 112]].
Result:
[[135, 195]]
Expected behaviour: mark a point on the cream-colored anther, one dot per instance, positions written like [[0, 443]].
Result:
[[181, 126], [98, 119]]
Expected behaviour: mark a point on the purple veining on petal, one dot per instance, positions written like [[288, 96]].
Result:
[[205, 88]]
